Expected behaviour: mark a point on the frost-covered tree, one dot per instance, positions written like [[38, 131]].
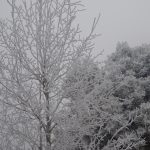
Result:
[[129, 71], [38, 45], [114, 113], [133, 73], [79, 88]]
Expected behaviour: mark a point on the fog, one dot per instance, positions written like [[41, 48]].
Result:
[[121, 20]]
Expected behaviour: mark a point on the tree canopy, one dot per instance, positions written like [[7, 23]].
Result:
[[109, 105]]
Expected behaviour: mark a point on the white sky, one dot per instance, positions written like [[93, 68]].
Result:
[[121, 20]]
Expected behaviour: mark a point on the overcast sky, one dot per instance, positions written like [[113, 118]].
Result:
[[121, 20]]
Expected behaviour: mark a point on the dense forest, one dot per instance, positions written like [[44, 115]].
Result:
[[56, 95], [109, 105]]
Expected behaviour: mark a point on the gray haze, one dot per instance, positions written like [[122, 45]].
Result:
[[121, 20]]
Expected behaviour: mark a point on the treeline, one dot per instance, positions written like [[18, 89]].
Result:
[[108, 106]]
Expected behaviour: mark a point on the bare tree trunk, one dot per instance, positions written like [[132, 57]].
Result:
[[48, 121], [41, 145], [40, 125]]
